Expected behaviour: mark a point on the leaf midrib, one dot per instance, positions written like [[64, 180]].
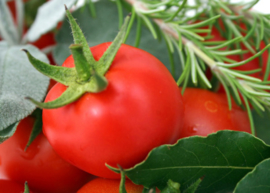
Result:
[[199, 167]]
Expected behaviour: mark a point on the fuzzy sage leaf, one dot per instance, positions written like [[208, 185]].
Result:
[[48, 16], [8, 132], [16, 82], [8, 30]]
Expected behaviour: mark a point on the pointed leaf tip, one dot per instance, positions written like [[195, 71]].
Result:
[[65, 7], [36, 103], [26, 188], [24, 50], [26, 147], [107, 58]]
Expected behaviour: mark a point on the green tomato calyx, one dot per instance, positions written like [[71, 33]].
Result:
[[88, 75], [172, 187]]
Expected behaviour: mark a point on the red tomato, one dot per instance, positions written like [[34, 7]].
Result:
[[39, 165], [207, 112], [7, 186], [101, 185], [45, 40], [139, 110]]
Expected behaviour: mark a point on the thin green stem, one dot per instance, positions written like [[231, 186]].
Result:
[[138, 32], [249, 115], [132, 18], [92, 8], [120, 12], [176, 12]]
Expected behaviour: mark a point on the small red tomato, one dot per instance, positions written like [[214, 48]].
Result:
[[102, 185], [207, 112], [39, 165], [7, 186], [139, 110]]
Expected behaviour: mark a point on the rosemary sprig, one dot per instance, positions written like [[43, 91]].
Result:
[[183, 33]]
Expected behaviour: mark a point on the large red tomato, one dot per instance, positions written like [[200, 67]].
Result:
[[39, 165], [140, 109], [7, 186], [207, 112], [102, 185]]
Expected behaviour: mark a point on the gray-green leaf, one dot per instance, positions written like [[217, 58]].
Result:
[[18, 79], [256, 181], [7, 27], [221, 159], [8, 132], [48, 16]]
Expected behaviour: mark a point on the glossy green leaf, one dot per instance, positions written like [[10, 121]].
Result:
[[262, 124], [48, 16], [19, 79], [193, 187], [256, 181], [104, 28], [221, 159]]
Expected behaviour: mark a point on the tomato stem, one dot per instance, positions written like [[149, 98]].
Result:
[[57, 73], [88, 74], [122, 188], [82, 66], [107, 58], [79, 37]]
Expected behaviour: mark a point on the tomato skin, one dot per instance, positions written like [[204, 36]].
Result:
[[139, 110], [207, 112], [7, 186], [102, 185], [39, 165]]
